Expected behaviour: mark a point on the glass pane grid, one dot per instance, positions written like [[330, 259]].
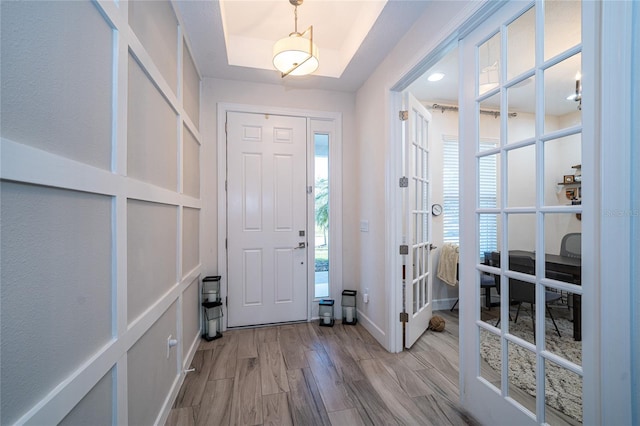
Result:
[[518, 197]]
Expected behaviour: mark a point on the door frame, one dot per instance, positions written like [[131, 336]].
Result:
[[335, 191], [609, 397], [466, 22]]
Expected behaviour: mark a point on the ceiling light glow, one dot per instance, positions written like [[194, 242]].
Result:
[[436, 76]]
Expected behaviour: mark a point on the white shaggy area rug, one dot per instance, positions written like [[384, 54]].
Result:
[[563, 388]]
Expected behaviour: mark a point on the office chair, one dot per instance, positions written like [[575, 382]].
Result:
[[571, 245]]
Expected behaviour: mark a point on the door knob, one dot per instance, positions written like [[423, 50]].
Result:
[[301, 245]]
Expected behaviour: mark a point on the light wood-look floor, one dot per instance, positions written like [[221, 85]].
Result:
[[304, 374]]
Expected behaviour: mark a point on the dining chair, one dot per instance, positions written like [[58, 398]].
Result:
[[525, 292]]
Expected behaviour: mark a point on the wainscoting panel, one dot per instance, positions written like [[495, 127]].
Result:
[[152, 133], [100, 181], [155, 25], [56, 288], [57, 86], [191, 87], [96, 408], [151, 254]]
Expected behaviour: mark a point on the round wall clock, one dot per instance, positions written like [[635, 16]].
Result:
[[436, 209]]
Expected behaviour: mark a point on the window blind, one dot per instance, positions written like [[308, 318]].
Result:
[[451, 195]]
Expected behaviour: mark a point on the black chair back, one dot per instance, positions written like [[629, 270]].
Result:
[[571, 245], [522, 291]]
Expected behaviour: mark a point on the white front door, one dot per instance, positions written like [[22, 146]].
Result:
[[417, 220], [524, 363], [267, 228]]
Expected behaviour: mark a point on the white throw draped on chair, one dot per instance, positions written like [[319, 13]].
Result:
[[448, 264]]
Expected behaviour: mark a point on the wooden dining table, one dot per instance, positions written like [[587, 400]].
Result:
[[569, 267]]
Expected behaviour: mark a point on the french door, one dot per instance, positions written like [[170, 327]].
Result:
[[266, 226], [523, 362], [417, 220]]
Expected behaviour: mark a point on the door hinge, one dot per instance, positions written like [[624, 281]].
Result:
[[225, 127], [225, 185], [403, 115], [226, 301], [309, 189], [404, 317], [404, 249], [404, 182], [225, 243]]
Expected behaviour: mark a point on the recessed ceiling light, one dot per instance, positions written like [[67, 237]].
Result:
[[436, 76]]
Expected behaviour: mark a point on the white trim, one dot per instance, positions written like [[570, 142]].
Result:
[[222, 109], [444, 304], [371, 327], [614, 106], [393, 226]]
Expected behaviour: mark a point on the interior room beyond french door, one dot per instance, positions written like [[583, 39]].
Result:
[[266, 219]]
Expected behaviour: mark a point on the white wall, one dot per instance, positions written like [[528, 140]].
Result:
[[100, 244], [215, 91]]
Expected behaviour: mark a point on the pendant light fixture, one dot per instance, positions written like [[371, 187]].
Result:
[[296, 54]]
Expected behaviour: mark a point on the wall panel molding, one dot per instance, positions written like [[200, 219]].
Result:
[[22, 163]]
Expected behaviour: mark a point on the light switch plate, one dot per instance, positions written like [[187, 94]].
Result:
[[364, 226]]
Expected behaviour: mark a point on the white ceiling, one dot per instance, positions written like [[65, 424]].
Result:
[[353, 37], [251, 28], [562, 30]]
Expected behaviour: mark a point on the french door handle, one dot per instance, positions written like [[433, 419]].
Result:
[[300, 246]]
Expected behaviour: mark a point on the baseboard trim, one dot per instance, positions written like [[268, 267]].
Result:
[[373, 329], [443, 304]]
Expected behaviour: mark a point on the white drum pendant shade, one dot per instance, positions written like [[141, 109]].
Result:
[[293, 51]]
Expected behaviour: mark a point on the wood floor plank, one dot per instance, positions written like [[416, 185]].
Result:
[[276, 410], [309, 336], [273, 372], [226, 336], [304, 399], [435, 359], [180, 417], [329, 383], [403, 408], [441, 411], [405, 377], [354, 344], [370, 406], [224, 359], [292, 348], [246, 404], [215, 409], [247, 347], [190, 393], [266, 334], [439, 384], [346, 418], [346, 367]]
